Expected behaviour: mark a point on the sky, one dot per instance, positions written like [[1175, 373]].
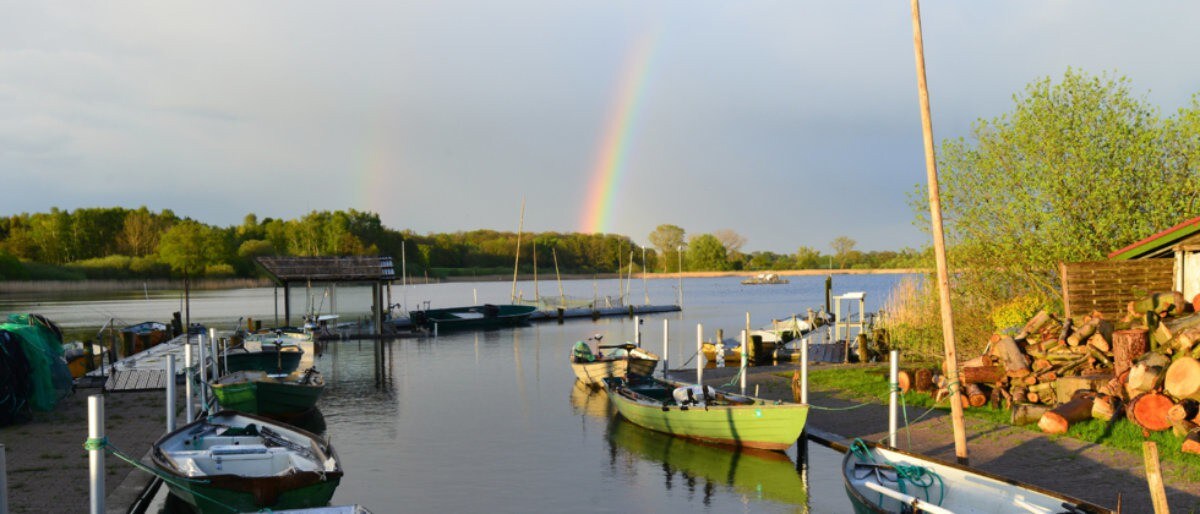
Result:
[[791, 123]]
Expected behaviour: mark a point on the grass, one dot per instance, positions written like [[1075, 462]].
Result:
[[869, 384]]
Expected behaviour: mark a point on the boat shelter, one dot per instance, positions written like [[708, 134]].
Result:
[[378, 272], [1181, 243]]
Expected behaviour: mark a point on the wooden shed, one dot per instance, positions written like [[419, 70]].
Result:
[[1180, 243]]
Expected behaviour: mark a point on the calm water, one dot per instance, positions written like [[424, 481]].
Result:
[[493, 421]]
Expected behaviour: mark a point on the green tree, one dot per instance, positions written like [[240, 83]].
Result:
[[188, 247], [808, 258], [706, 253], [842, 247], [667, 239]]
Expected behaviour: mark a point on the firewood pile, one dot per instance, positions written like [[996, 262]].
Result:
[[1057, 372]]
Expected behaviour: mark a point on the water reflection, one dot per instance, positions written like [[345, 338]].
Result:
[[756, 475], [590, 401]]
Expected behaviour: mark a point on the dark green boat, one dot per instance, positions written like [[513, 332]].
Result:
[[236, 462], [279, 357], [474, 317], [258, 392]]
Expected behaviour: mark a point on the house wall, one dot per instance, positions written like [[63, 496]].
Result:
[[1187, 273], [1107, 286]]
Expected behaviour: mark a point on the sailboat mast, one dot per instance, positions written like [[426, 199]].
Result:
[[536, 296], [517, 261], [939, 243], [562, 299]]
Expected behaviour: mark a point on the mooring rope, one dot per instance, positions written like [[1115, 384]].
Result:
[[102, 443], [919, 476]]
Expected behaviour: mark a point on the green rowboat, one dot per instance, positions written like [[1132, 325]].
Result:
[[258, 392], [235, 462], [475, 317], [685, 410]]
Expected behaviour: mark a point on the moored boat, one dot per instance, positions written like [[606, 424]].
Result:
[[887, 480], [231, 461], [279, 354], [705, 414], [592, 369], [473, 317], [258, 392]]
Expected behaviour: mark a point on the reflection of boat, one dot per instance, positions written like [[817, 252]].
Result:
[[257, 392], [280, 354], [728, 350], [246, 463], [478, 316], [766, 474], [871, 474], [619, 360], [765, 279], [702, 413], [590, 401]]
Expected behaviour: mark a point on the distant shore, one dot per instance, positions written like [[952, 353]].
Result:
[[50, 286]]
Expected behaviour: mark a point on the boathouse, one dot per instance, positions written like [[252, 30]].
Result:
[[378, 272]]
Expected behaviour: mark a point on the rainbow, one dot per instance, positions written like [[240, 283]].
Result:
[[609, 167]]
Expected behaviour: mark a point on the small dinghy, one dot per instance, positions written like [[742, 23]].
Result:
[[624, 359], [258, 392], [887, 480], [237, 462]]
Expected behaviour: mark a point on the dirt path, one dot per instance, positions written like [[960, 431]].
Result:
[[1086, 471]]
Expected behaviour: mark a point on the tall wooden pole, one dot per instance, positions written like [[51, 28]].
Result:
[[939, 243], [520, 226]]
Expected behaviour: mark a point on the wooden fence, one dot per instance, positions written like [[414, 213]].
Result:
[[1107, 286]]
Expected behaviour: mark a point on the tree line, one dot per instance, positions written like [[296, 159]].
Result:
[[116, 242]]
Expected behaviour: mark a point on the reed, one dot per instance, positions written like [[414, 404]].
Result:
[[56, 286]]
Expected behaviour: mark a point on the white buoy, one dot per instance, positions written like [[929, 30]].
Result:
[[804, 370], [188, 395], [170, 393], [666, 356], [96, 453], [745, 348], [699, 354], [893, 396]]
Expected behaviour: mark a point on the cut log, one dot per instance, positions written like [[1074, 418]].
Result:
[[1059, 419], [1186, 340], [924, 381], [1168, 328], [1191, 443], [1066, 329], [1016, 363], [1128, 345], [1065, 388], [1084, 331], [1116, 386], [1183, 379], [975, 395], [1034, 324], [1098, 342], [1181, 428], [1149, 411], [1106, 407], [1040, 393], [1170, 303], [1146, 373], [1026, 413], [1185, 410], [904, 380], [981, 374]]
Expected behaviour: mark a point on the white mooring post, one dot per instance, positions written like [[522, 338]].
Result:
[[699, 355], [216, 359], [189, 404], [666, 347], [203, 367], [893, 396], [3, 481], [435, 329], [96, 452], [745, 348], [637, 331], [170, 393], [804, 370]]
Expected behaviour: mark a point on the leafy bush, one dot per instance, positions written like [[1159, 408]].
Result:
[[11, 268]]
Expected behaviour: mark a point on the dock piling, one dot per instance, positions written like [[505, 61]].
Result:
[[188, 402], [699, 354], [202, 366], [3, 481], [96, 452], [666, 346], [742, 369], [637, 330], [212, 346], [804, 370], [893, 395], [170, 393]]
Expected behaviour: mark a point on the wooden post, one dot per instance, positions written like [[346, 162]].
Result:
[[939, 242], [1158, 493]]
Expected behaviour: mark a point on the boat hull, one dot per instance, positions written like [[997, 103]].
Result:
[[472, 318], [268, 359], [965, 490], [257, 393], [593, 373], [756, 423]]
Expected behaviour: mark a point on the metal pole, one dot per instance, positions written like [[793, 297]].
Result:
[[189, 400], [203, 366], [699, 355], [212, 345], [893, 396], [96, 452], [637, 331], [666, 346], [170, 393], [804, 371], [645, 287], [742, 370], [3, 482], [681, 276]]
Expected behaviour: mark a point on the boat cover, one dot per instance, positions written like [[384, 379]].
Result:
[[41, 340]]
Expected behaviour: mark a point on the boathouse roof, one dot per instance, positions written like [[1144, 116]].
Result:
[[329, 269], [1161, 244]]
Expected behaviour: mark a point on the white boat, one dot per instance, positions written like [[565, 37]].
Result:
[[887, 480]]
